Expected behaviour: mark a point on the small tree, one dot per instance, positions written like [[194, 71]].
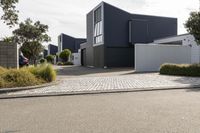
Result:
[[31, 36], [193, 25], [10, 15], [64, 55], [50, 58], [31, 50]]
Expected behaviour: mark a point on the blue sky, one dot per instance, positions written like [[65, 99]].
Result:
[[69, 16]]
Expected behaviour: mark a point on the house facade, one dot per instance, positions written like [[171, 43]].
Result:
[[69, 42], [112, 34], [52, 49]]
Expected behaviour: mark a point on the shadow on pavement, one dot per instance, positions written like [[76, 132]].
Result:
[[79, 71]]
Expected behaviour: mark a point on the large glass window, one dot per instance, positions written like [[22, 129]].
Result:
[[98, 26]]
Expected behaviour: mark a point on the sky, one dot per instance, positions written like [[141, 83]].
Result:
[[69, 16]]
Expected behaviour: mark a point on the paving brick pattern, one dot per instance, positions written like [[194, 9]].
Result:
[[116, 82]]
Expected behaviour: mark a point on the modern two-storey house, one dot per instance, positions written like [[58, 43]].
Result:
[[112, 34], [69, 42]]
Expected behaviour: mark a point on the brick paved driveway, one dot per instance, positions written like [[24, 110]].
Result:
[[78, 79]]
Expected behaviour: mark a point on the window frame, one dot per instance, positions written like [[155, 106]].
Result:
[[98, 26]]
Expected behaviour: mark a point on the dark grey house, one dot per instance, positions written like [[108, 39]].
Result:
[[68, 42], [112, 33], [45, 53], [52, 49]]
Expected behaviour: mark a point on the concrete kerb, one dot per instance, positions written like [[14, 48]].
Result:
[[16, 89], [191, 87]]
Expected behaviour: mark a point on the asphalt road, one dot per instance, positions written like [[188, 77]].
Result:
[[176, 111]]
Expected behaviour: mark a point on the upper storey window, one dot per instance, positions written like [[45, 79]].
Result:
[[98, 26]]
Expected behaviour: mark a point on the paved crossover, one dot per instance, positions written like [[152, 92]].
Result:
[[106, 80]]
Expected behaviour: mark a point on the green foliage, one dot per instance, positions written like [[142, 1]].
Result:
[[8, 39], [26, 76], [64, 55], [2, 82], [31, 36], [2, 70], [59, 63], [193, 25], [43, 61], [18, 78], [65, 63], [31, 50], [50, 58], [10, 15], [182, 70], [68, 63], [44, 71]]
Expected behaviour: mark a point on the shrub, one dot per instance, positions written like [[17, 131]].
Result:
[[60, 63], [68, 63], [64, 55], [18, 78], [65, 63], [2, 82], [50, 58], [44, 71], [2, 70], [181, 69], [43, 60], [26, 76]]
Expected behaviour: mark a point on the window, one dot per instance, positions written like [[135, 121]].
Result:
[[98, 26]]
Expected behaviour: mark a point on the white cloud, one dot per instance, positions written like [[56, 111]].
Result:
[[67, 16]]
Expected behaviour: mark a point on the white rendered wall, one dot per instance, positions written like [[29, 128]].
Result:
[[186, 40], [76, 59], [149, 57]]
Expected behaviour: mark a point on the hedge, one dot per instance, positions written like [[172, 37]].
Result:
[[181, 69]]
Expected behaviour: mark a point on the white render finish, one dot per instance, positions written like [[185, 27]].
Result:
[[149, 57], [76, 59], [185, 40]]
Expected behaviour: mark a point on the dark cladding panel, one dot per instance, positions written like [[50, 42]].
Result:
[[120, 57], [158, 27], [89, 43], [68, 42], [162, 27], [52, 49], [99, 56], [77, 44], [139, 31], [116, 26]]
